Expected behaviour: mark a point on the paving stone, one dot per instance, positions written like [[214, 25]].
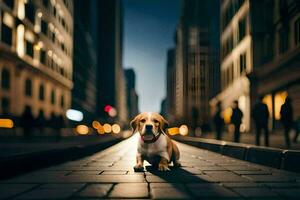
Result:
[[75, 186], [55, 193], [166, 185], [9, 190], [255, 192], [241, 184], [88, 172], [130, 190], [257, 172], [95, 190], [210, 190], [169, 193], [114, 172], [240, 167], [282, 185], [269, 178], [225, 176]]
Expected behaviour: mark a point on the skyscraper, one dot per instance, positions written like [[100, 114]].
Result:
[[36, 49], [132, 97]]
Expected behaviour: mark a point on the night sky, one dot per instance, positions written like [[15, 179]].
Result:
[[149, 28]]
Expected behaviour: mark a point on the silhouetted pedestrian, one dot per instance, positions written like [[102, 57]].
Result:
[[286, 113], [260, 115], [41, 121], [27, 122], [219, 122], [236, 120]]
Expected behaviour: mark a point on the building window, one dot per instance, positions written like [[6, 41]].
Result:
[[43, 56], [44, 27], [297, 31], [242, 28], [28, 87], [283, 41], [29, 48], [41, 92], [62, 101], [5, 79], [9, 3], [6, 34], [5, 104], [30, 11], [53, 96], [243, 62]]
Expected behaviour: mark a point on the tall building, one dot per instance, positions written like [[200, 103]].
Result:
[[196, 60], [259, 54], [84, 92], [171, 80], [36, 49], [111, 80], [131, 95]]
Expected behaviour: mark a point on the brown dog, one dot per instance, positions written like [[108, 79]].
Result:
[[154, 145]]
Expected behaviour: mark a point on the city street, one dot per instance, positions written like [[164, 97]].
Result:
[[109, 174]]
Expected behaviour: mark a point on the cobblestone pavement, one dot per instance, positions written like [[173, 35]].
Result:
[[109, 174]]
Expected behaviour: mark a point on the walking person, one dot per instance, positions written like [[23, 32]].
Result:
[[27, 122], [236, 120], [218, 121], [286, 114], [260, 115]]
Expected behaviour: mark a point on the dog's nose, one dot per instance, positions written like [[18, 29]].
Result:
[[148, 127]]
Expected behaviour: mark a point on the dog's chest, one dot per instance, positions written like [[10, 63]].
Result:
[[153, 149]]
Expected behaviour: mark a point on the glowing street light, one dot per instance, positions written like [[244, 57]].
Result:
[[107, 128], [82, 129], [6, 123], [116, 128], [74, 115], [183, 130]]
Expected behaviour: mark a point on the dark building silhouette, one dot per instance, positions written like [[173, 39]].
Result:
[[196, 61], [85, 63], [131, 95], [111, 80], [171, 78]]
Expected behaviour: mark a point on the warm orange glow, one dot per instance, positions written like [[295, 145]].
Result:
[[227, 115], [100, 130], [107, 128], [6, 123], [82, 129], [173, 131], [116, 128], [278, 101], [96, 124], [268, 100], [183, 130]]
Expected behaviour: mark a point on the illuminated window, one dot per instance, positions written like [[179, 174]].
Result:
[[5, 79], [227, 115], [41, 92], [53, 96], [28, 87], [297, 31], [278, 101], [268, 100]]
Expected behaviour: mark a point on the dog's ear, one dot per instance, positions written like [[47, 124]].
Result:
[[163, 124], [134, 123]]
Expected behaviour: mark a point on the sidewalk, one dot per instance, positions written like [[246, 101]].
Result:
[[18, 155], [276, 139], [109, 174]]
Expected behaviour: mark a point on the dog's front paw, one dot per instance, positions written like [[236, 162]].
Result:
[[163, 167], [138, 168], [177, 164]]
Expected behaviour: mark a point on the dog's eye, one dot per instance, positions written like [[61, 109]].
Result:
[[143, 120], [155, 121]]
